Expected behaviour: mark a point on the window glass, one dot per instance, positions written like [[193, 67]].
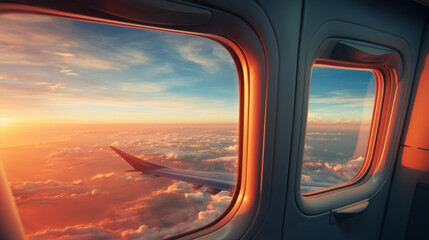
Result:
[[70, 90], [339, 118]]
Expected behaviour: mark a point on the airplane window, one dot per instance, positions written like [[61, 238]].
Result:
[[339, 119], [109, 132]]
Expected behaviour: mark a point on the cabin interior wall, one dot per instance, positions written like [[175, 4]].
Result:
[[386, 17], [412, 166]]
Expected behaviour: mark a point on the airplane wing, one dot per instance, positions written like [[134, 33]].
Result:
[[214, 181]]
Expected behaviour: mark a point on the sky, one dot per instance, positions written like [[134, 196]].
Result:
[[63, 70], [340, 95], [69, 90], [340, 109]]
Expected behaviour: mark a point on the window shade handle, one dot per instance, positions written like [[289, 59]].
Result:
[[348, 211]]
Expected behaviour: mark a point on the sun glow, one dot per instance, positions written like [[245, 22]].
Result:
[[5, 121]]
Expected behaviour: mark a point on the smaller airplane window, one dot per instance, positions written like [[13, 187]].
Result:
[[341, 105]]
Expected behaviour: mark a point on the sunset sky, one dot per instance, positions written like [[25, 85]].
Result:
[[57, 69], [69, 90]]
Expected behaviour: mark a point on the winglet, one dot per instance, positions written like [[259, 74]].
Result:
[[137, 163]]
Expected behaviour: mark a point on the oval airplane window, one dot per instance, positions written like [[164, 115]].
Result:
[[341, 106], [112, 132]]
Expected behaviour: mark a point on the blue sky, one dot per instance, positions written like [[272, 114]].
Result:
[[340, 109], [68, 70], [341, 94], [57, 69]]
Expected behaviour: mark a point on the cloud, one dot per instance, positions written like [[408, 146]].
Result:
[[349, 168], [78, 232], [196, 197], [96, 192], [324, 133], [177, 187], [72, 74], [215, 208], [64, 54], [136, 74], [209, 56], [77, 156], [331, 173], [332, 156], [227, 159], [165, 212], [133, 56], [66, 152], [16, 89], [19, 79], [143, 233], [89, 61], [162, 210], [306, 178], [337, 121], [42, 192], [346, 97], [57, 42], [103, 176], [232, 148], [185, 148], [355, 101], [130, 205], [191, 210], [133, 177]]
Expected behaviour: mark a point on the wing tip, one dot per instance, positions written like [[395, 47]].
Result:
[[137, 163], [118, 151]]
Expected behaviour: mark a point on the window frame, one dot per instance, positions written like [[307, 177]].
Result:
[[379, 74], [391, 70]]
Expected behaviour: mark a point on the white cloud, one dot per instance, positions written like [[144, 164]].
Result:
[[65, 152], [43, 192], [78, 232], [232, 148], [64, 54], [210, 56], [102, 176]]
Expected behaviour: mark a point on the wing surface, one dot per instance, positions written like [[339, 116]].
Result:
[[214, 181]]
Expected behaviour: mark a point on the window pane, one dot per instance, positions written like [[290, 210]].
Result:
[[70, 90], [340, 110]]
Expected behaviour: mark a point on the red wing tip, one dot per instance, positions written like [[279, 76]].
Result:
[[116, 150]]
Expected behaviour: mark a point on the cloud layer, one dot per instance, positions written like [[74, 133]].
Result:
[[88, 195]]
